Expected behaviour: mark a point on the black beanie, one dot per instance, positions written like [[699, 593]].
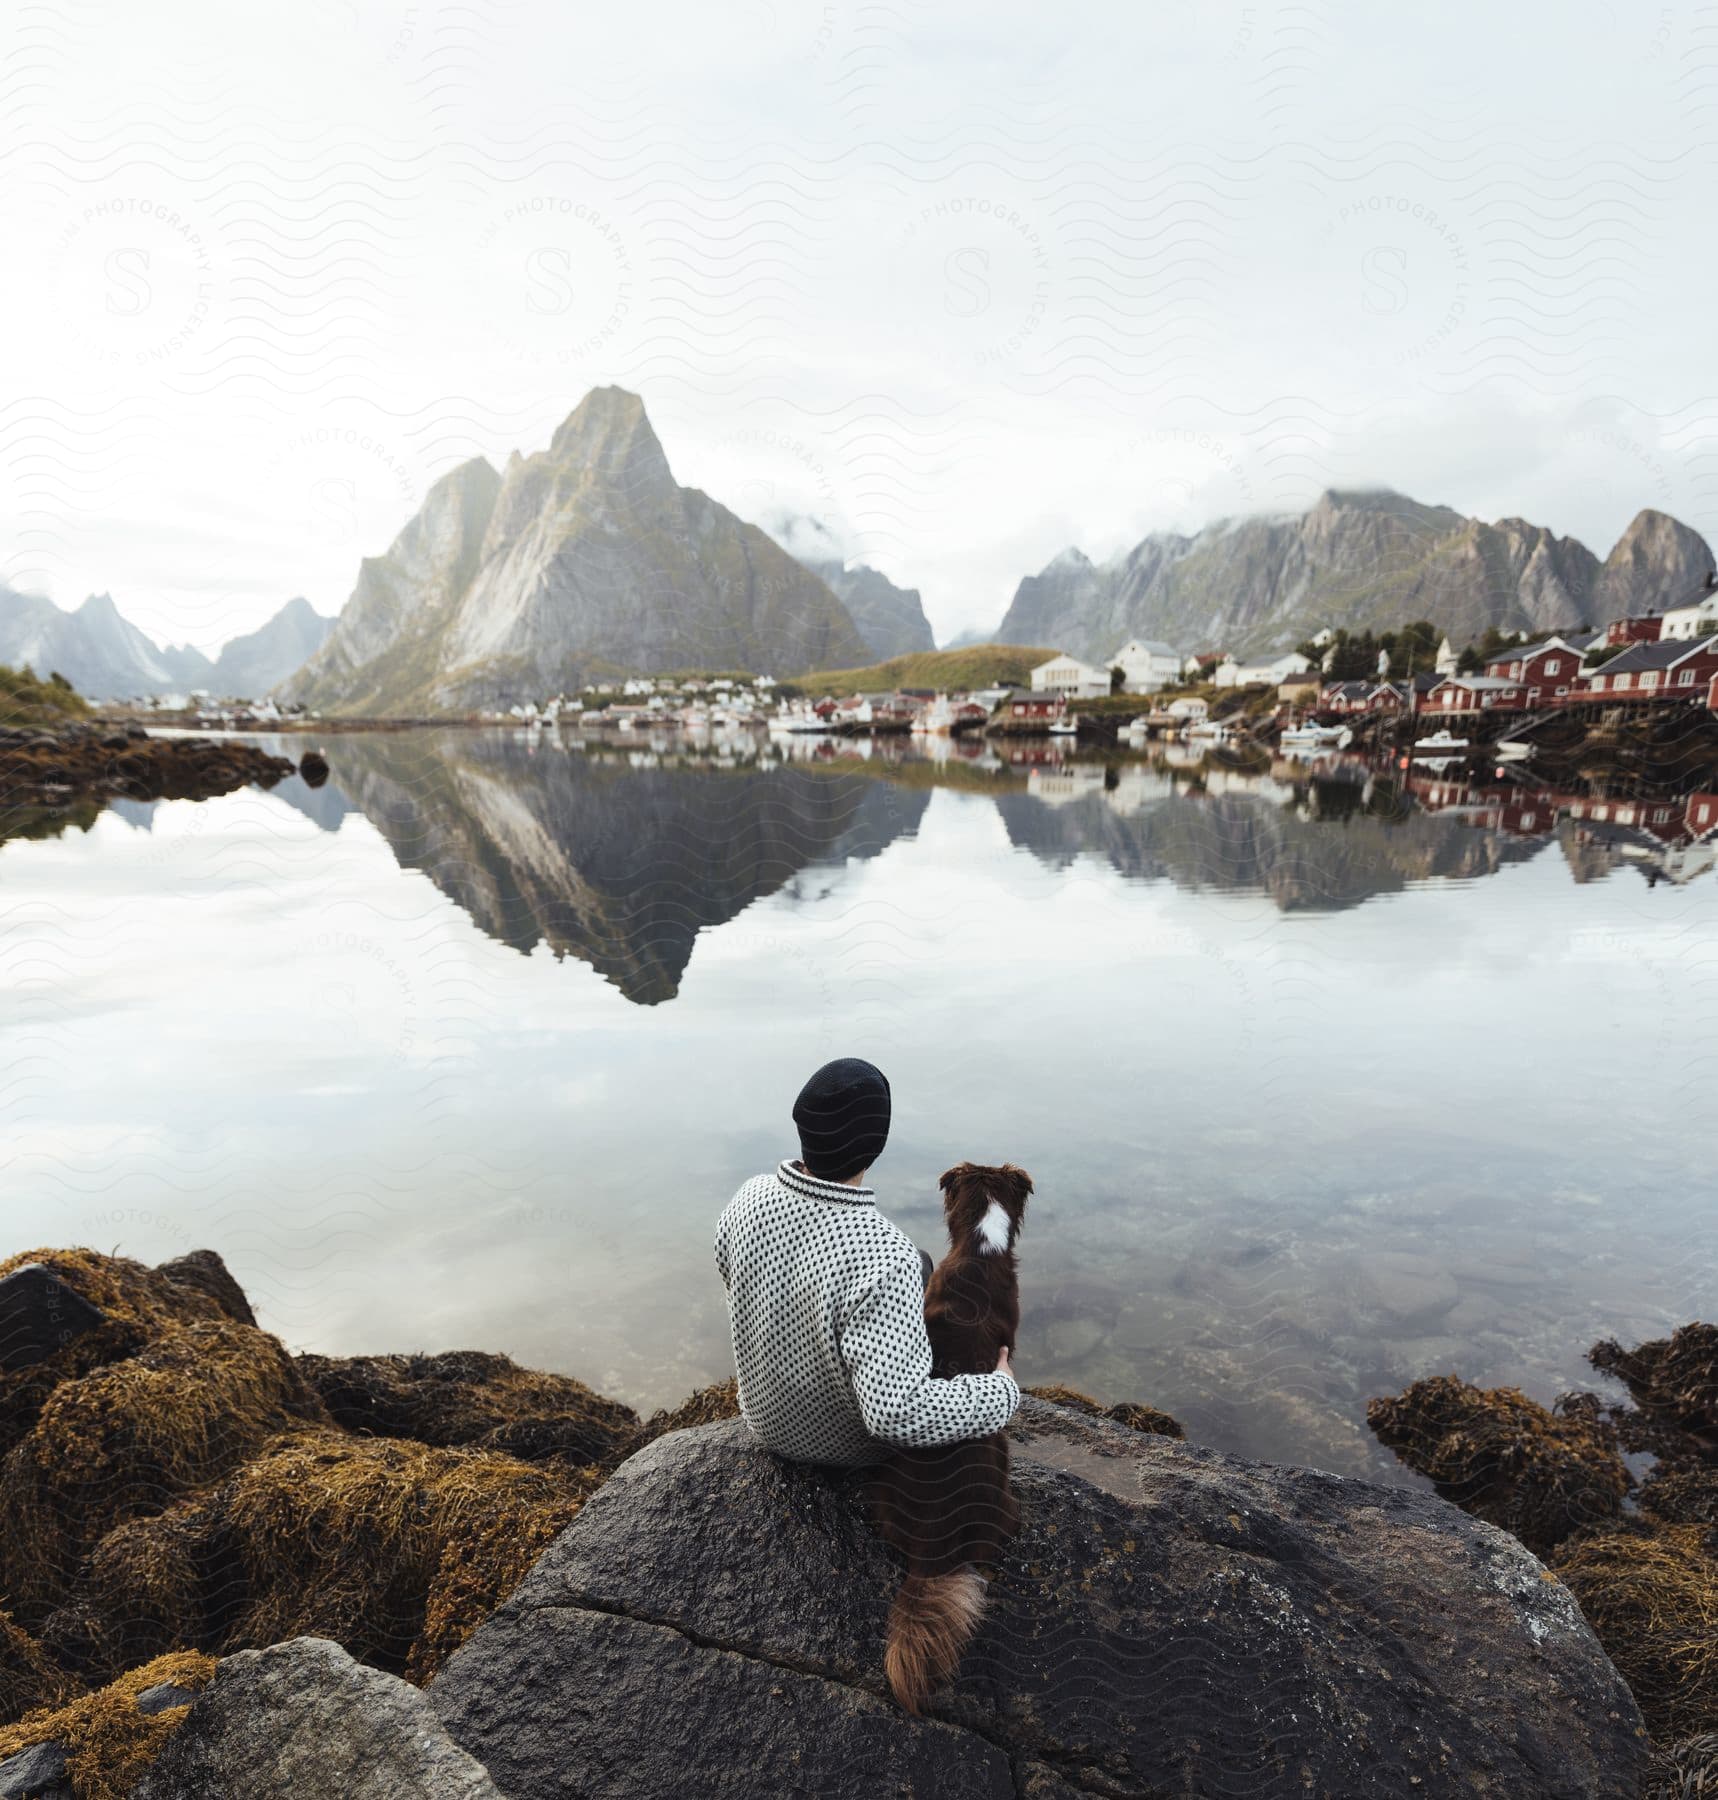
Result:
[[843, 1117]]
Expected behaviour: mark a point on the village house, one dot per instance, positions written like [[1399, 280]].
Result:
[[1187, 709], [1695, 617], [1303, 684], [1345, 696], [1147, 664], [1679, 669], [1068, 675], [1231, 673], [1472, 693], [1644, 628], [1034, 707], [1548, 670], [1203, 664]]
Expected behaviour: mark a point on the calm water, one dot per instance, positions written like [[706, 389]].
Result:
[[1322, 1090]]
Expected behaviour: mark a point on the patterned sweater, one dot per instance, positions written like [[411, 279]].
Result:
[[827, 1303]]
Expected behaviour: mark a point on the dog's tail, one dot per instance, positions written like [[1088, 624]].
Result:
[[930, 1625]]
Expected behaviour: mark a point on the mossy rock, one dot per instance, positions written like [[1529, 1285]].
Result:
[[472, 1398], [1504, 1458], [108, 1740]]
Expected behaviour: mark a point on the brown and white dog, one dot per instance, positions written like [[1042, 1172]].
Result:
[[949, 1508]]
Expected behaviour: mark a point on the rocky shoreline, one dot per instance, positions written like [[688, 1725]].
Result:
[[59, 766], [231, 1570]]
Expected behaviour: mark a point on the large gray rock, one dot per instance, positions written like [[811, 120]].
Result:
[[302, 1718], [1170, 1621]]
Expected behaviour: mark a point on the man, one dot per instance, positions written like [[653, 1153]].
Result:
[[826, 1297]]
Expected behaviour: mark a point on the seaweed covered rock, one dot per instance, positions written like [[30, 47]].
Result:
[[1652, 1597], [1171, 1620], [471, 1397], [171, 1480], [1673, 1383], [394, 1549], [29, 1679], [302, 1719], [204, 1272], [51, 765], [129, 1437], [1134, 1414], [1504, 1458], [136, 1304], [102, 1742]]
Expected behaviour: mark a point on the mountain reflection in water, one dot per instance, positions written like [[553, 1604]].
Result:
[[621, 856]]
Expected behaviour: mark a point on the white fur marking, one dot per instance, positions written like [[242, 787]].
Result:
[[993, 1228]]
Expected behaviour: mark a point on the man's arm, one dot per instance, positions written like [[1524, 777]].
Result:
[[888, 1358]]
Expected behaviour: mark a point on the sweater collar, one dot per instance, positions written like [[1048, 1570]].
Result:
[[798, 1181]]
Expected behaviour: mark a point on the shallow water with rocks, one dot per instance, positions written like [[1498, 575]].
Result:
[[468, 1047]]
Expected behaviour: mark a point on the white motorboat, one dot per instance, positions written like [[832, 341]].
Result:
[[1441, 743], [1064, 728], [1317, 737]]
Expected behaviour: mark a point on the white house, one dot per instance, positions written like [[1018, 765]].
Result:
[[1146, 665], [1691, 620], [1068, 675], [1448, 663], [1237, 674], [1188, 709]]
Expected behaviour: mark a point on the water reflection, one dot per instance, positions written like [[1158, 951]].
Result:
[[1294, 1147], [621, 854]]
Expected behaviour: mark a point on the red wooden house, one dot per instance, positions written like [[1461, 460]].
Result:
[[1677, 669], [1027, 706], [1547, 672], [1643, 629]]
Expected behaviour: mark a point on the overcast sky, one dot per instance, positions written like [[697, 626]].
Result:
[[972, 282]]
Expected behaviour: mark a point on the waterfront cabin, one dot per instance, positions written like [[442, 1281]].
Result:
[[1675, 669], [1023, 708], [1068, 675], [1188, 710], [1546, 672]]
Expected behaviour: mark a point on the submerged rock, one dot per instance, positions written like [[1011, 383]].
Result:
[[302, 1719], [1171, 1620]]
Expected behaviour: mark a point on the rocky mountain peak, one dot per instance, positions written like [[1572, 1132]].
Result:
[[609, 434]]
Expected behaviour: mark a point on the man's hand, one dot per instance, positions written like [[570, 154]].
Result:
[[1003, 1366]]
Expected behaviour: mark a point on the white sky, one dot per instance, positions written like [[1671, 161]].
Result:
[[977, 280]]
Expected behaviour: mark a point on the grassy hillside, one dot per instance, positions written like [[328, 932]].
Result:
[[27, 700], [977, 665]]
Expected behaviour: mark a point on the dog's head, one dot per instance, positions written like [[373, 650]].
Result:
[[985, 1205]]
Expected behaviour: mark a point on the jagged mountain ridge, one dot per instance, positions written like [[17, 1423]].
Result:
[[1363, 560], [581, 559], [105, 657], [890, 619]]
